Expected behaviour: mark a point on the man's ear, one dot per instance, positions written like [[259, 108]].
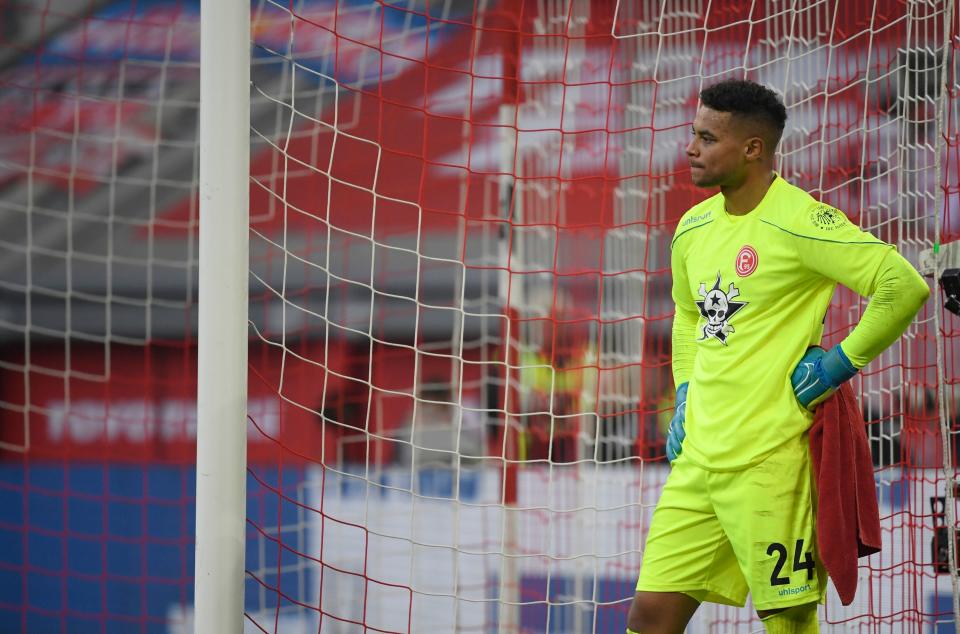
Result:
[[754, 148]]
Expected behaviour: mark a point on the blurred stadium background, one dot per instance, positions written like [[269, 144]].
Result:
[[460, 215]]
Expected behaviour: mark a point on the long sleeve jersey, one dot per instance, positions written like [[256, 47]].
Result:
[[751, 293]]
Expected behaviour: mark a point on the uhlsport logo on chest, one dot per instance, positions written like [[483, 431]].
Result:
[[747, 261], [718, 307]]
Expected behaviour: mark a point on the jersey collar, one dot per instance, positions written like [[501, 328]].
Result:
[[761, 206]]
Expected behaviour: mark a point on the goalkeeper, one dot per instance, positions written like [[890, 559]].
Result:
[[754, 270]]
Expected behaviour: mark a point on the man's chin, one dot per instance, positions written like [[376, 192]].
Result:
[[704, 183]]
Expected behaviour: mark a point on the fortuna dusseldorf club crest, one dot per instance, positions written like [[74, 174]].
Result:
[[746, 261]]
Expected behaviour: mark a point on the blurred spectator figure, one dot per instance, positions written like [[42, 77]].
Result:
[[558, 379]]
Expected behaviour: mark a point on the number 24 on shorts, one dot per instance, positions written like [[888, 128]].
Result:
[[781, 551]]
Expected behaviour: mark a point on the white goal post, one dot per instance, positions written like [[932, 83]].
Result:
[[222, 338]]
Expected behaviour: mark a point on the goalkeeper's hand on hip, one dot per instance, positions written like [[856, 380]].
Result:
[[676, 433], [819, 374]]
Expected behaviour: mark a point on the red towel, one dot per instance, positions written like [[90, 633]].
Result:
[[848, 520]]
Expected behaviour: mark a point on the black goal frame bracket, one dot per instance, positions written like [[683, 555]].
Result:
[[950, 283]]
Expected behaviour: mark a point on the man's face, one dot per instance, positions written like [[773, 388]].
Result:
[[718, 150]]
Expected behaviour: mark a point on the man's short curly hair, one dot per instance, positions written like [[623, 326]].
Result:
[[750, 100]]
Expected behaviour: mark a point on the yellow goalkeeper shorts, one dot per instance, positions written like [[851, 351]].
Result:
[[717, 535]]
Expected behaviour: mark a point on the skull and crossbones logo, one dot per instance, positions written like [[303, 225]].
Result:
[[717, 307]]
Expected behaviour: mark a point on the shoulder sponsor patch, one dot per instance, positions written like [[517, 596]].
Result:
[[826, 218]]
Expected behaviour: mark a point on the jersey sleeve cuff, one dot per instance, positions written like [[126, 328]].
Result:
[[851, 360]]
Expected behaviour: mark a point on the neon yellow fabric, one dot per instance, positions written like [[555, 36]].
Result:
[[542, 379], [900, 291], [751, 293], [684, 345], [801, 619], [717, 535]]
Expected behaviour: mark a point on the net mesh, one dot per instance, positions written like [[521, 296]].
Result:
[[97, 360]]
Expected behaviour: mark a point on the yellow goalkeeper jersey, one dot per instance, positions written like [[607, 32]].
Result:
[[752, 292]]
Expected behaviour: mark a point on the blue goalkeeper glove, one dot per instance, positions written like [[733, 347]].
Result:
[[819, 374], [676, 433]]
